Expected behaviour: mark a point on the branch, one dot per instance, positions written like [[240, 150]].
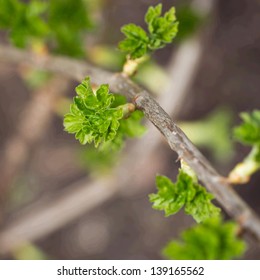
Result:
[[175, 137]]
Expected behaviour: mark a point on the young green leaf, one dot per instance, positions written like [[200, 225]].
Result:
[[25, 21], [162, 30], [211, 240], [136, 40], [247, 133], [171, 197], [91, 117], [58, 23], [99, 117], [129, 127], [68, 20]]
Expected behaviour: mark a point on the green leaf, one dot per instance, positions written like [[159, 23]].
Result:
[[136, 40], [91, 117], [153, 13], [132, 126], [98, 117], [162, 30], [68, 20], [25, 21], [249, 131], [171, 197], [59, 23], [211, 240]]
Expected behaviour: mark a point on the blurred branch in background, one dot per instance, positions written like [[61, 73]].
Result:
[[31, 126]]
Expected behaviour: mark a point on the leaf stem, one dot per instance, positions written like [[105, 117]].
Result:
[[244, 170], [131, 65], [127, 108]]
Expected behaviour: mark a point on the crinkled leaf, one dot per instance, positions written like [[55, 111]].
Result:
[[200, 206], [91, 117], [166, 198], [136, 40], [130, 127], [211, 240], [249, 131], [162, 30], [171, 197], [153, 13], [134, 32]]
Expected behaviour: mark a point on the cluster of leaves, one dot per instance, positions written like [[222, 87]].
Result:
[[211, 240], [248, 133], [59, 23], [91, 117], [187, 193], [25, 21], [67, 20], [162, 30], [98, 117]]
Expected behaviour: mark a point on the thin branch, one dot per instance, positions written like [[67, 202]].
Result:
[[176, 139]]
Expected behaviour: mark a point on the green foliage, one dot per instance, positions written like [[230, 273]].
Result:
[[25, 21], [96, 117], [103, 159], [67, 20], [211, 240], [59, 23], [248, 132], [162, 30], [129, 127], [187, 193], [91, 117]]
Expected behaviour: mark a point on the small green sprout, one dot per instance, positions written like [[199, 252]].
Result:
[[162, 30], [95, 116], [187, 193], [248, 133], [211, 240]]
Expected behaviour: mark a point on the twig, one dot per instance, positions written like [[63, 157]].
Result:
[[176, 139]]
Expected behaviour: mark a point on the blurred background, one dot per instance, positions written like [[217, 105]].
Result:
[[59, 200]]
